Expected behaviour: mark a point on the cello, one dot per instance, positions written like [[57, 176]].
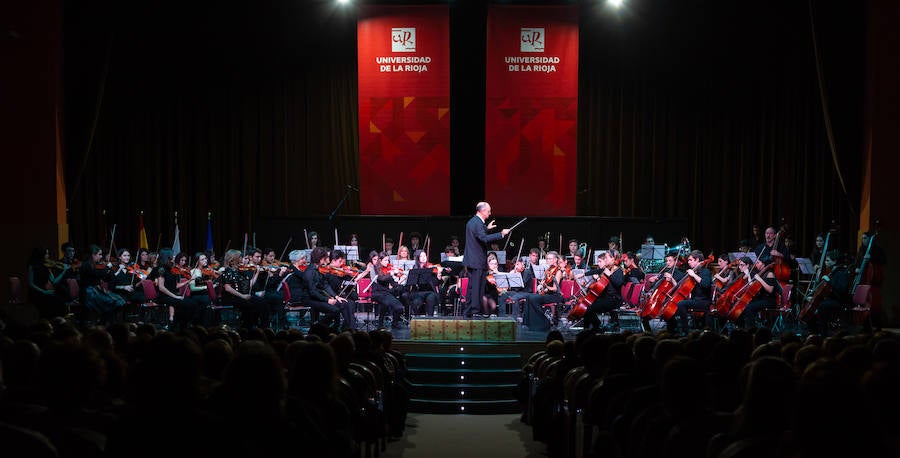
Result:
[[745, 295], [653, 305], [680, 292], [781, 270], [592, 292]]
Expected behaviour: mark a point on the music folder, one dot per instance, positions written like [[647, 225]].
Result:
[[421, 279], [506, 280]]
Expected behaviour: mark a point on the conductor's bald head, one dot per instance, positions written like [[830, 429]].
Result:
[[483, 209]]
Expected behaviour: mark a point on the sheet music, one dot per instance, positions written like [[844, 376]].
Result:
[[506, 280], [806, 266], [501, 256]]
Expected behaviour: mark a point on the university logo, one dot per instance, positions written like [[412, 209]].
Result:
[[403, 39], [532, 39]]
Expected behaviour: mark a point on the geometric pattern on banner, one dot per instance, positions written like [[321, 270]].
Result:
[[404, 110], [531, 110]]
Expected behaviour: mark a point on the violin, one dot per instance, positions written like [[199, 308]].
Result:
[[336, 271], [246, 267], [184, 272], [207, 272], [549, 276], [54, 264], [135, 269]]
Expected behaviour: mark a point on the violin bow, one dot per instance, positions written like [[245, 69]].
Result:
[[306, 236], [112, 242], [281, 258]]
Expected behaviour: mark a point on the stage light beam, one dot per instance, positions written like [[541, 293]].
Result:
[[615, 3]]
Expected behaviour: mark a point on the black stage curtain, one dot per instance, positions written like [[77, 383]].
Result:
[[697, 109]]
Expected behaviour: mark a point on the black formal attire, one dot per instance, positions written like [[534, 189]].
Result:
[[677, 275], [475, 260], [316, 293], [701, 298], [533, 315], [609, 300], [251, 309], [188, 309], [122, 280], [838, 300], [635, 275], [94, 296], [422, 297], [515, 296], [385, 291], [49, 303], [762, 300], [764, 252]]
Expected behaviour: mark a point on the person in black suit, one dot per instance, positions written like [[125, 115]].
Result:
[[475, 255]]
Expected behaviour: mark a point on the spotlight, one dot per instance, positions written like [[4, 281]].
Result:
[[343, 2], [615, 3]]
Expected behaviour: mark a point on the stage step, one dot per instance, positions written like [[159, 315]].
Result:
[[465, 377]]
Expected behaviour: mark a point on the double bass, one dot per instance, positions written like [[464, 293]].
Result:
[[781, 270], [680, 292], [745, 295]]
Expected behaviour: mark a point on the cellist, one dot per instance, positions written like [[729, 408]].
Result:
[[837, 275], [701, 296], [767, 297], [611, 298]]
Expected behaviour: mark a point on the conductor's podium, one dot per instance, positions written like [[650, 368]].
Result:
[[482, 330]]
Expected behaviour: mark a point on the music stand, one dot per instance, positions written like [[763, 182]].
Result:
[[741, 254], [653, 251], [405, 264], [597, 254], [507, 280], [806, 266], [582, 281], [501, 257], [419, 278], [539, 270], [352, 253]]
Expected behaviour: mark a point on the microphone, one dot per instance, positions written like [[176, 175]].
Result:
[[352, 188]]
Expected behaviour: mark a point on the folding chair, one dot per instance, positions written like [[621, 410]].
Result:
[[784, 308], [462, 287], [220, 312], [364, 299], [16, 290]]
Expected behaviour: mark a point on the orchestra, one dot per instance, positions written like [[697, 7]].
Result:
[[744, 282]]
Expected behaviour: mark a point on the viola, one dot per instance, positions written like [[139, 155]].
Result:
[[681, 292]]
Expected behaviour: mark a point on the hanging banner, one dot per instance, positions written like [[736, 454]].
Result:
[[531, 113], [404, 110]]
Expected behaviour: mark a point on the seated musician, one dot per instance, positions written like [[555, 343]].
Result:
[[547, 292], [269, 277], [388, 246], [700, 295], [449, 291], [515, 295], [724, 277], [386, 291], [423, 296], [317, 293], [613, 243], [43, 276], [767, 297], [767, 250], [610, 299], [126, 281], [670, 274], [403, 253], [294, 278], [172, 278], [343, 278], [573, 249], [630, 269], [491, 293], [578, 260], [837, 275], [415, 241]]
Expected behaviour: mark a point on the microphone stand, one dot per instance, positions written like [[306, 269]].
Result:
[[340, 204]]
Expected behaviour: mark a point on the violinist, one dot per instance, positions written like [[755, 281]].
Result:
[[96, 297], [578, 260], [237, 289], [611, 298], [515, 295], [547, 292], [125, 282], [319, 295], [386, 291], [200, 274], [142, 265], [700, 295], [68, 259], [423, 296], [268, 277], [294, 278], [837, 275], [42, 283], [341, 277], [403, 253], [630, 269], [767, 297], [173, 277], [491, 293]]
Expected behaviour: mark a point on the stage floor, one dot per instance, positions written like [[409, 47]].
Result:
[[367, 322]]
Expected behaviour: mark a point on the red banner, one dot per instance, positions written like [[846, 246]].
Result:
[[404, 110], [532, 106]]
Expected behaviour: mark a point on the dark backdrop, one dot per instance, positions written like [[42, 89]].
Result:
[[698, 110]]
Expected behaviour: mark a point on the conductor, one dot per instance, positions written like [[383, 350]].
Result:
[[475, 255]]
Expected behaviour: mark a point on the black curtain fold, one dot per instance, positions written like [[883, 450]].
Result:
[[699, 109]]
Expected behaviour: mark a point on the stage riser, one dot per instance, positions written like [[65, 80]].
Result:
[[491, 330], [463, 361]]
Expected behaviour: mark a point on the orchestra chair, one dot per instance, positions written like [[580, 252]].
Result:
[[462, 286], [861, 307], [220, 312], [150, 308], [784, 309], [16, 290], [364, 298], [294, 307], [73, 298]]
